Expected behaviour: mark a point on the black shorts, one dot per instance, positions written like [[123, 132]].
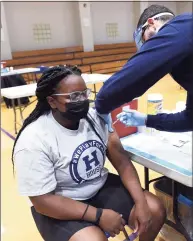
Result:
[[112, 195]]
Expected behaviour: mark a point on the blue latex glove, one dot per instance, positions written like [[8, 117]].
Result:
[[132, 118], [108, 120]]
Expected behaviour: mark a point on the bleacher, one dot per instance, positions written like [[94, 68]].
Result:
[[106, 58]]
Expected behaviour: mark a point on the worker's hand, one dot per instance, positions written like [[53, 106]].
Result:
[[142, 218], [132, 118], [107, 119]]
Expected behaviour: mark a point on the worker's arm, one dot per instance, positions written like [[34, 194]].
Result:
[[178, 122], [128, 174], [157, 57]]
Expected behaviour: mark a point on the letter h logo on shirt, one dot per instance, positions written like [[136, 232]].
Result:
[[88, 161]]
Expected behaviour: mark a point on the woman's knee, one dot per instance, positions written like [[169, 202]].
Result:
[[89, 233], [156, 206]]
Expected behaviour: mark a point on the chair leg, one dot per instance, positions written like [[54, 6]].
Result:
[[20, 110], [15, 115]]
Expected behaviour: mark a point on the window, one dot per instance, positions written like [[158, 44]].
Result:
[[42, 33], [112, 30]]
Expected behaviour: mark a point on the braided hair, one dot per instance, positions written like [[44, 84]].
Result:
[[46, 86]]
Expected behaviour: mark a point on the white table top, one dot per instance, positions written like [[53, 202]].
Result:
[[160, 153], [29, 90], [19, 91], [20, 71], [95, 78]]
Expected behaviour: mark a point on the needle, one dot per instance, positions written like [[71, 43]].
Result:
[[115, 121]]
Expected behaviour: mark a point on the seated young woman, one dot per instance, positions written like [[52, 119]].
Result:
[[59, 155]]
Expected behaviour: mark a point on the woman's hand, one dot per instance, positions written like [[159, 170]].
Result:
[[142, 218], [111, 222]]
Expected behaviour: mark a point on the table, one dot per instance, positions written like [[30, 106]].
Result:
[[29, 90], [167, 153], [21, 71], [95, 79], [17, 93]]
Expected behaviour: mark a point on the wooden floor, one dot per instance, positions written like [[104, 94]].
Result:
[[16, 220]]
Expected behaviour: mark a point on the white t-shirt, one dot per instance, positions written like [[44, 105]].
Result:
[[50, 158]]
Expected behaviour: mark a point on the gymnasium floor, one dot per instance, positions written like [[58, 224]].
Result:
[[16, 220]]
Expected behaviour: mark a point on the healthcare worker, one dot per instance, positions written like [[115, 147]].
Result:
[[165, 45]]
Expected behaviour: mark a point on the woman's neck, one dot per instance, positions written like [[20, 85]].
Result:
[[68, 124]]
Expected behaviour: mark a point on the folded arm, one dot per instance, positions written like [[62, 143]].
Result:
[[36, 178], [62, 208]]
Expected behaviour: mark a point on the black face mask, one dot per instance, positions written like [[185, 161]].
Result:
[[76, 110]]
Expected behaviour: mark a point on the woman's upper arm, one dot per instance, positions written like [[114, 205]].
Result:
[[116, 153], [35, 172]]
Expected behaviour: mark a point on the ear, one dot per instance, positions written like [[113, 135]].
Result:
[[51, 102], [150, 21]]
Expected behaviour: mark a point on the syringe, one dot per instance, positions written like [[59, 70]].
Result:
[[124, 109]]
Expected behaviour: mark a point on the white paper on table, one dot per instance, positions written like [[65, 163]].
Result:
[[162, 149], [176, 139]]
